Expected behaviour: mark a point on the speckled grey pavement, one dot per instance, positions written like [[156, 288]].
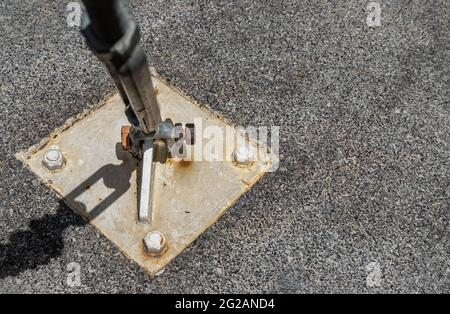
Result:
[[365, 126]]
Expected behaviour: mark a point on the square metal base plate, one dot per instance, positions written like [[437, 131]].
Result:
[[99, 180]]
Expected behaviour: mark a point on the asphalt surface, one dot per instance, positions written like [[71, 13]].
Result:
[[365, 132]]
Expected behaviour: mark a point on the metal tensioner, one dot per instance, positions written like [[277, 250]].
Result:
[[113, 36]]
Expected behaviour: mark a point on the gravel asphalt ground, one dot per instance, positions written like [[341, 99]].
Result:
[[363, 185]]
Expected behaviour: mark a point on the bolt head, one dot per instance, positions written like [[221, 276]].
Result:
[[53, 159], [155, 243], [243, 156]]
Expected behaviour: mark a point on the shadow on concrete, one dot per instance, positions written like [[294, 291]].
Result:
[[44, 239]]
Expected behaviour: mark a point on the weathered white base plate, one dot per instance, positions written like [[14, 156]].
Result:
[[99, 179]]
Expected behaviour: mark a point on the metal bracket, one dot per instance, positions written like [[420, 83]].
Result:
[[99, 180], [147, 178]]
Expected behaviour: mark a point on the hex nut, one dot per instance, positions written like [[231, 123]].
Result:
[[243, 156], [53, 159], [155, 243]]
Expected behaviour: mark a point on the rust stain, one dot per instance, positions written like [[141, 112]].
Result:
[[182, 164]]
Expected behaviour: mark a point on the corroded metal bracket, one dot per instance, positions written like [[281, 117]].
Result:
[[99, 179]]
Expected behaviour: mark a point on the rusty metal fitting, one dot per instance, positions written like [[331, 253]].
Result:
[[125, 137], [155, 244], [243, 156]]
